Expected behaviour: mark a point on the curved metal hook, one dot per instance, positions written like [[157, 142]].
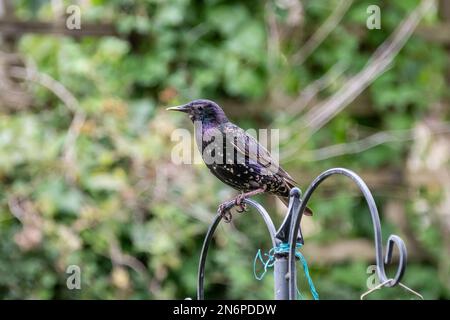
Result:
[[393, 239], [210, 233], [294, 204]]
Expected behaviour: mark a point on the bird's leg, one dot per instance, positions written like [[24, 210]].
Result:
[[224, 208], [242, 196]]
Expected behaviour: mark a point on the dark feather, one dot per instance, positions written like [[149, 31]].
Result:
[[243, 162]]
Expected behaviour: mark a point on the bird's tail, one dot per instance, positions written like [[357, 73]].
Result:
[[285, 200]]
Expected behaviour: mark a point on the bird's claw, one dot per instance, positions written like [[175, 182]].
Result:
[[225, 208], [242, 207], [225, 213]]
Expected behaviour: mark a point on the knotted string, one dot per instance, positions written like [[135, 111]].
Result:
[[270, 261]]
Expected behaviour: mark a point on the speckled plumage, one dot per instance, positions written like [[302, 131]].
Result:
[[234, 156], [244, 171]]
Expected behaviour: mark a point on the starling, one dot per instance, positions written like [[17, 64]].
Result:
[[234, 156]]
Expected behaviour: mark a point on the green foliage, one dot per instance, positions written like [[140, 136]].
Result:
[[132, 220]]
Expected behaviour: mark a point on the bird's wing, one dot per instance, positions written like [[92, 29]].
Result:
[[287, 177], [251, 148]]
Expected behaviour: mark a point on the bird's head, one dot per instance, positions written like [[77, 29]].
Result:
[[206, 111]]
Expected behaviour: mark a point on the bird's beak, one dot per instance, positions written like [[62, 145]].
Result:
[[181, 108]]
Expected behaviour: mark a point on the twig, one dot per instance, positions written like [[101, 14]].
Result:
[[12, 93], [324, 30], [122, 259], [273, 41], [311, 91], [16, 28], [31, 74], [364, 144], [376, 66], [360, 145]]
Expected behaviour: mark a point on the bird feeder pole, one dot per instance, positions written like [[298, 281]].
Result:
[[285, 276], [281, 278]]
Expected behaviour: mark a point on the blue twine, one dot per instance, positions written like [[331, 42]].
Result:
[[270, 261]]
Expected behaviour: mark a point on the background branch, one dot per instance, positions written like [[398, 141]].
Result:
[[69, 154], [376, 66], [322, 32], [310, 92], [364, 144]]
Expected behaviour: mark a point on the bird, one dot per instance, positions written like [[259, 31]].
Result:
[[235, 157]]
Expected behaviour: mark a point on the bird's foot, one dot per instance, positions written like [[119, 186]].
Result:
[[240, 204], [225, 208], [225, 212]]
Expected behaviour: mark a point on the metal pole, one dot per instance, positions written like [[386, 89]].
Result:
[[285, 285], [209, 235], [281, 279]]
